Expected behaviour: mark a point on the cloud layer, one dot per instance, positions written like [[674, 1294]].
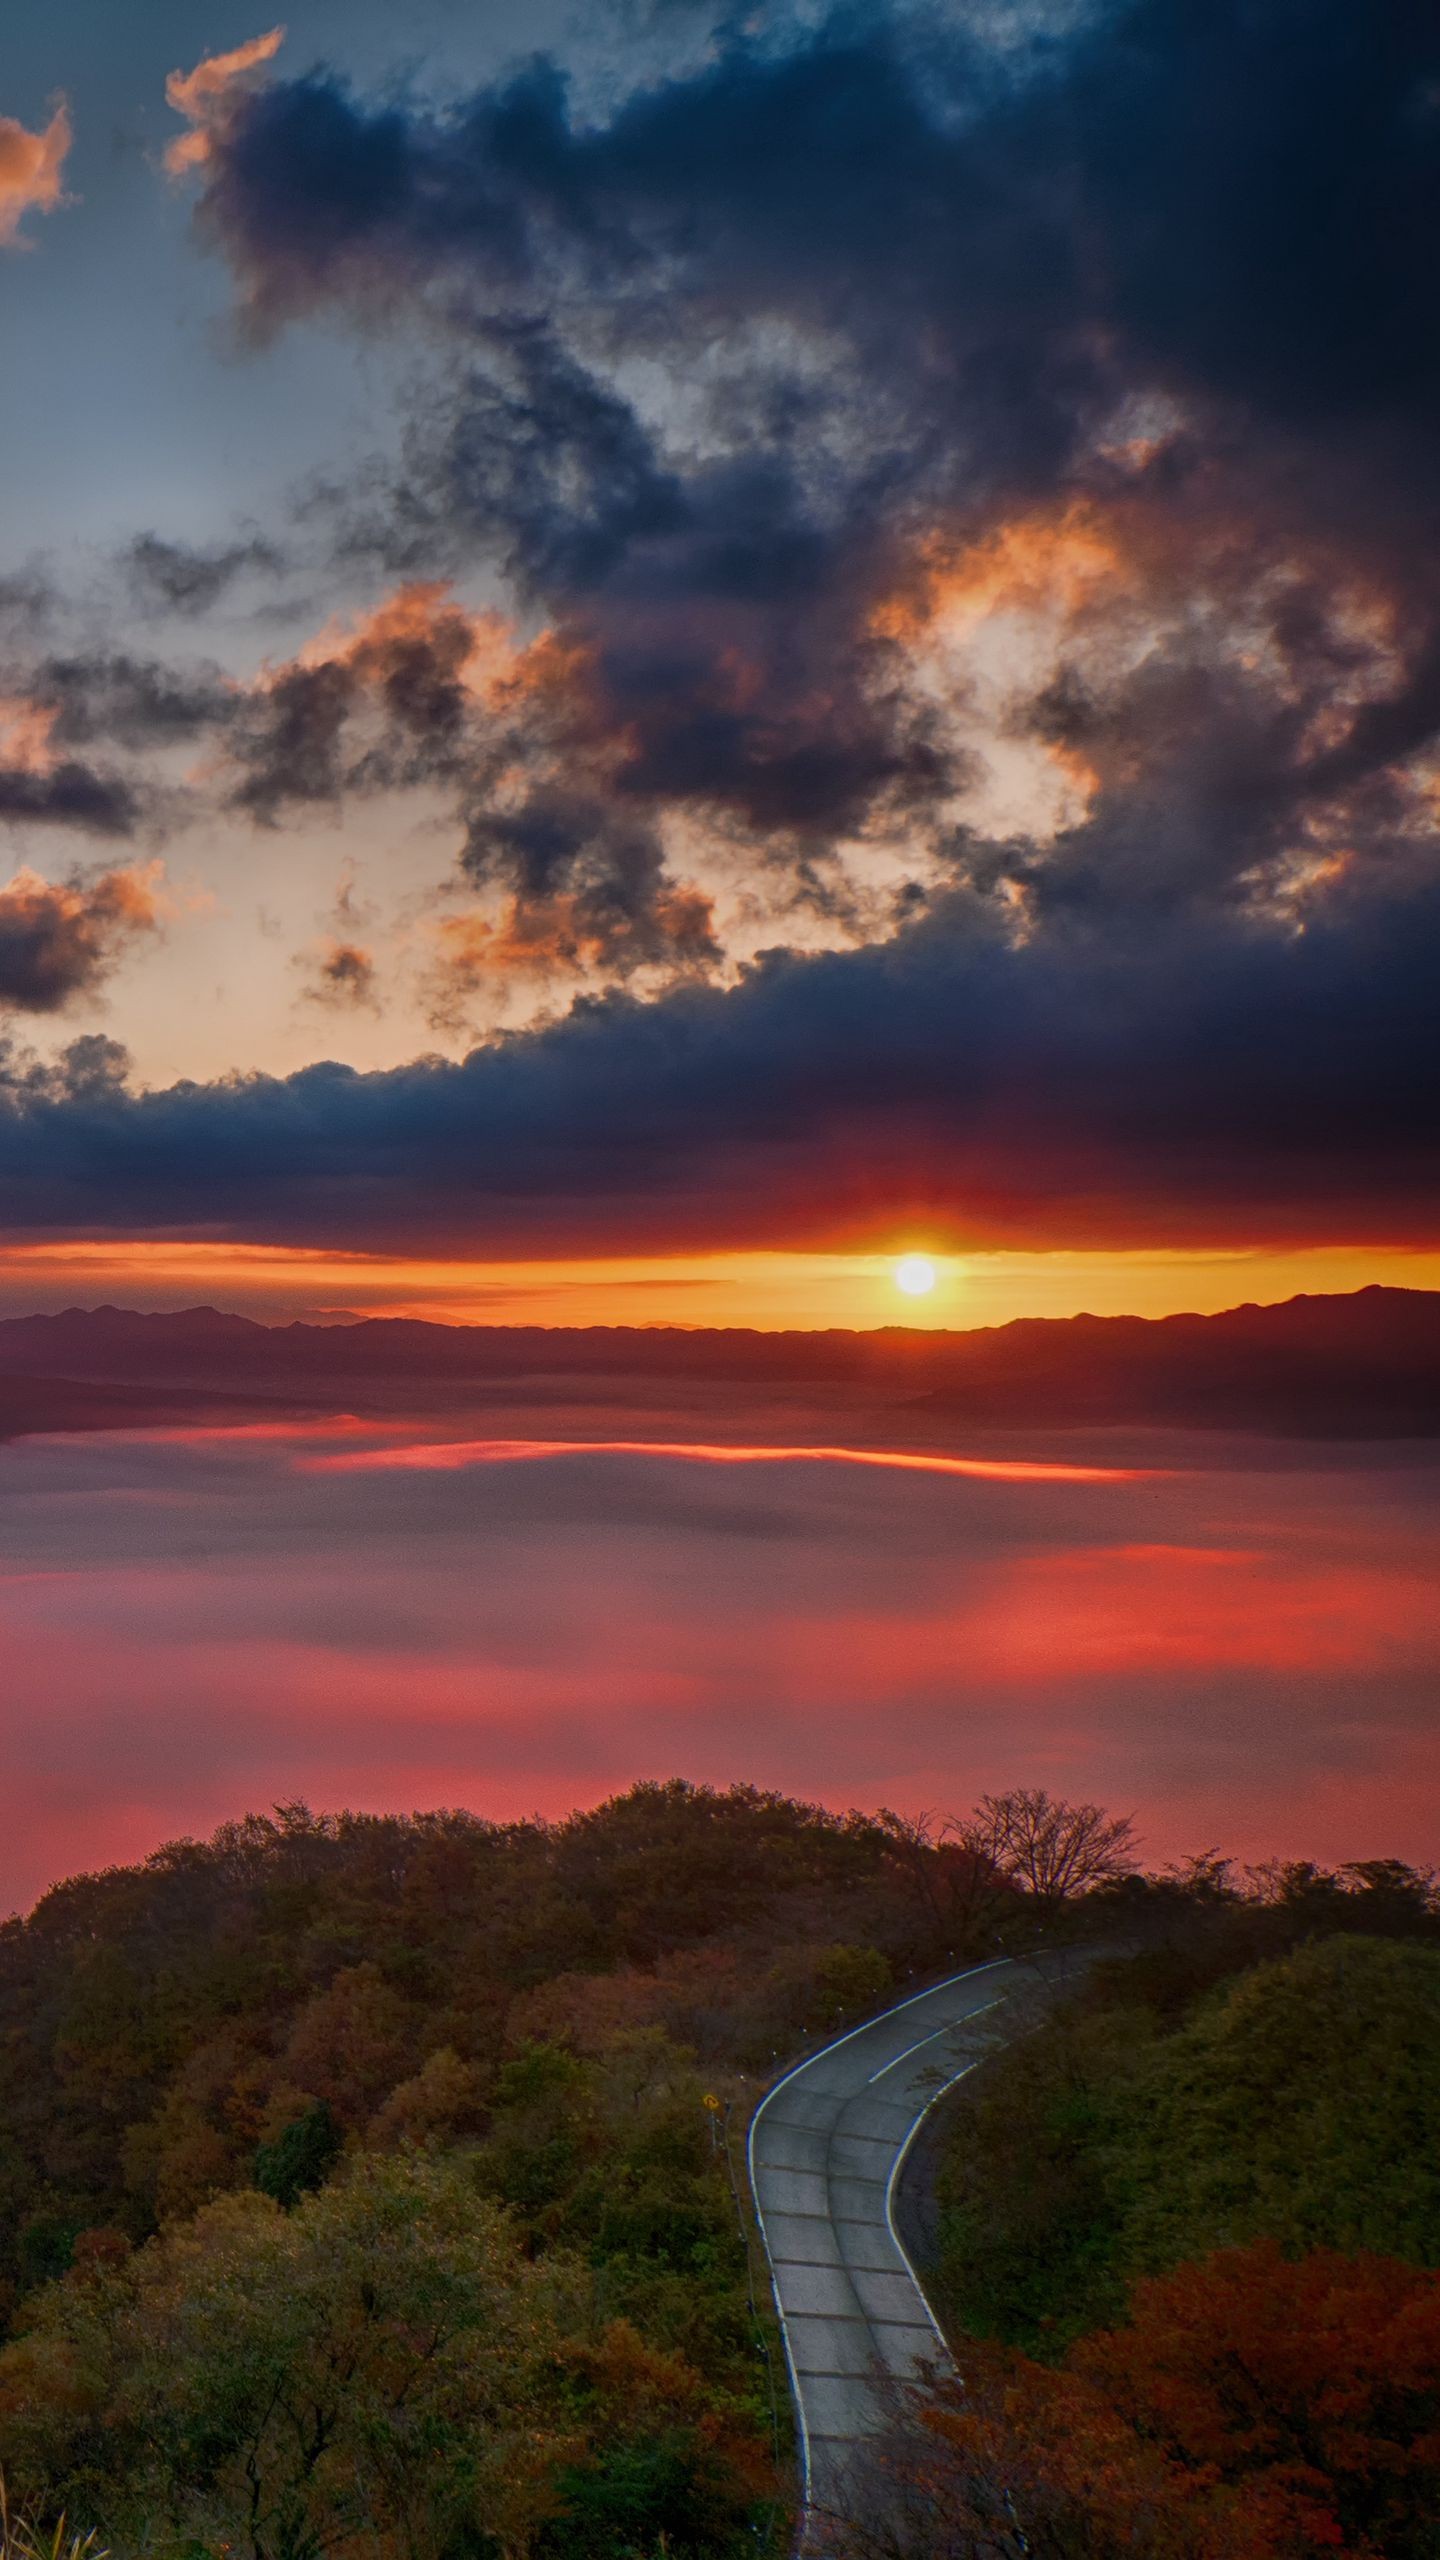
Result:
[[798, 380], [1236, 1084], [1240, 1656], [962, 721]]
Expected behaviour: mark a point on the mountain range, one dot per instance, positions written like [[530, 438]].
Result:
[[1365, 1364]]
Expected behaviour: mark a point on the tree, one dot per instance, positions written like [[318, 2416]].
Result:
[[1309, 2389], [1021, 2464], [379, 2363], [1053, 1851], [352, 2043], [1250, 2409], [441, 2103], [1032, 2213], [301, 2156], [950, 1877], [663, 2472], [848, 1982], [1299, 2104]]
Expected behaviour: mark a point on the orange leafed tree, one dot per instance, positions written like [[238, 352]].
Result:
[[1253, 2408], [1312, 2385]]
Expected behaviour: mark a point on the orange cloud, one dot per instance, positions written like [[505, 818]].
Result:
[[423, 628], [30, 167], [445, 1456], [59, 939], [208, 96], [25, 730], [1053, 563], [572, 933]]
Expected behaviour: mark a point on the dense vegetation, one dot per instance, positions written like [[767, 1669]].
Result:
[[375, 2187], [1197, 2212], [1249, 2407], [377, 2184], [1268, 2067]]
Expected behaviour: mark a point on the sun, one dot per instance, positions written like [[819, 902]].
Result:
[[915, 1275]]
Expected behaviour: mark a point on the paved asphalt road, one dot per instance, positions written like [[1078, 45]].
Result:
[[827, 2149]]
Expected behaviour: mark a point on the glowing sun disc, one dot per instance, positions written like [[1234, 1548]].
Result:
[[915, 1274]]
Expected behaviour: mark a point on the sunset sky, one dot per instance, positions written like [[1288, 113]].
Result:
[[651, 655], [669, 664]]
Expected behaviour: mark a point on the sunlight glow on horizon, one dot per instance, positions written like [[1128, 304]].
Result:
[[767, 1291], [915, 1275]]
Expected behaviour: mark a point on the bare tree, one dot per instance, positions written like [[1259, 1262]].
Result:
[[1051, 1849], [955, 1884]]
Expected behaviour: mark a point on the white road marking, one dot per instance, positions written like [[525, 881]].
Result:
[[834, 2046], [901, 2156], [921, 2041]]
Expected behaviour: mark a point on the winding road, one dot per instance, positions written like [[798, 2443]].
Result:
[[828, 2145]]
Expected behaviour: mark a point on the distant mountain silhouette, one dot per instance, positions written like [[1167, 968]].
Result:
[[1366, 1364]]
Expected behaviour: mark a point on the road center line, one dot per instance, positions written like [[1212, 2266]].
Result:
[[921, 2041]]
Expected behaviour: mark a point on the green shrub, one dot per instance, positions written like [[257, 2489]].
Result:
[[300, 2158]]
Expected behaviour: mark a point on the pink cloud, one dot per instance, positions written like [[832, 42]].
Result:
[[445, 1456]]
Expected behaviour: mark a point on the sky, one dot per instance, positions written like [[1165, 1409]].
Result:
[[656, 657], [1234, 1640], [652, 654]]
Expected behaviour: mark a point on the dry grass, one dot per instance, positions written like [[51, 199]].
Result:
[[24, 2537]]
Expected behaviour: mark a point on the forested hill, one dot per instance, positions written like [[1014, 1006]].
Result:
[[1367, 1363], [396, 2165], [376, 2184]]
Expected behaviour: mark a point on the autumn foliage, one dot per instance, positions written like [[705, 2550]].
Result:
[[1251, 2408], [375, 2187]]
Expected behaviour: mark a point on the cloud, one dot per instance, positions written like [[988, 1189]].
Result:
[[39, 785], [61, 939], [183, 578], [420, 690], [373, 704], [447, 1456], [1232, 1085], [587, 892], [30, 171], [783, 395], [965, 511], [65, 708], [210, 95], [343, 974], [113, 696], [390, 1640]]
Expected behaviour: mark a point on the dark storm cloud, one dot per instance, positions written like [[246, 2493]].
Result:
[[378, 709], [758, 390], [721, 597], [1230, 1084], [538, 461], [1245, 194], [290, 745], [897, 286], [62, 716]]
